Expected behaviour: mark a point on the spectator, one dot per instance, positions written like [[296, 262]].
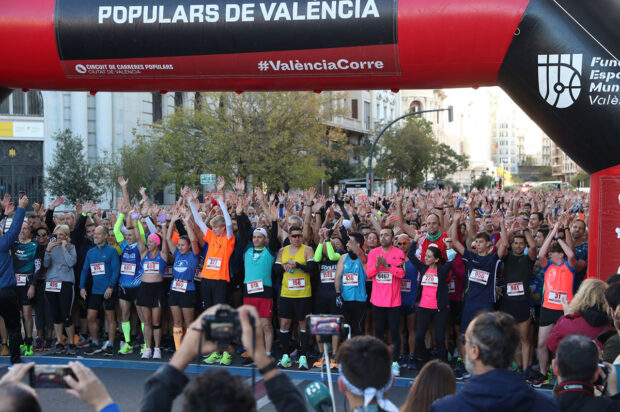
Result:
[[435, 380], [490, 342], [576, 366], [611, 349], [365, 373], [586, 314]]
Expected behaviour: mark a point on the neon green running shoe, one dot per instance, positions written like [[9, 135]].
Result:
[[22, 348], [29, 351], [226, 359], [302, 362], [126, 349], [285, 362], [142, 348], [214, 357]]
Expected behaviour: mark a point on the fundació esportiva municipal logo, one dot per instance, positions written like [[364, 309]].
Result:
[[559, 78]]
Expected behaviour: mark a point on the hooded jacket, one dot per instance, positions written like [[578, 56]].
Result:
[[589, 322], [496, 391]]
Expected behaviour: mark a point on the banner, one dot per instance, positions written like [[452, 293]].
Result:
[[186, 38]]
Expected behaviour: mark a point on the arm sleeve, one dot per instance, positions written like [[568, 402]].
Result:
[[77, 236], [141, 230], [85, 270], [49, 220], [116, 270], [243, 229], [421, 267], [284, 394], [229, 229], [47, 259], [161, 389], [11, 236], [318, 253], [274, 243], [331, 254], [70, 256], [371, 271], [198, 219], [150, 224], [311, 267], [117, 228], [113, 407]]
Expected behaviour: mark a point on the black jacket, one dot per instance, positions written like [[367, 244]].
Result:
[[162, 387], [575, 400], [443, 278]]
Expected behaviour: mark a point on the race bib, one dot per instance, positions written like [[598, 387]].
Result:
[[384, 277], [430, 279], [53, 286], [405, 285], [328, 276], [128, 269], [296, 284], [97, 269], [452, 287], [349, 279], [179, 285], [151, 267], [197, 277], [168, 272], [256, 286], [479, 276], [214, 263], [557, 297], [515, 289], [21, 279]]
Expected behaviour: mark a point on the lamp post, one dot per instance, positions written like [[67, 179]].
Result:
[[12, 153], [370, 178]]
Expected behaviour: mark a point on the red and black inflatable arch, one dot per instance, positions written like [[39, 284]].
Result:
[[558, 60]]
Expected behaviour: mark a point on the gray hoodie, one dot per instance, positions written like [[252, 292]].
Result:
[[60, 264]]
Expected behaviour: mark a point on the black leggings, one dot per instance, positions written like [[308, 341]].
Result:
[[42, 313], [425, 317], [61, 303], [388, 317], [9, 310], [355, 315]]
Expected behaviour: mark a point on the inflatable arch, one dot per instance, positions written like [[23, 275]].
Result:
[[558, 60]]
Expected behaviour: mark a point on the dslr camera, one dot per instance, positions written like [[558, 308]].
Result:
[[223, 327]]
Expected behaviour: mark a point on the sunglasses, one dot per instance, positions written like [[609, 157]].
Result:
[[365, 233], [41, 234], [295, 236], [402, 243]]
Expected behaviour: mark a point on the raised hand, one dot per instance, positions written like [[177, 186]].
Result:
[[239, 185], [221, 182], [122, 181], [9, 208], [309, 195], [6, 200], [57, 202]]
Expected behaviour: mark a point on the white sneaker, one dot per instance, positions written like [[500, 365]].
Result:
[[157, 353], [147, 353]]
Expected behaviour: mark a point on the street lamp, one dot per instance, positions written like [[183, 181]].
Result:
[[370, 179], [12, 153]]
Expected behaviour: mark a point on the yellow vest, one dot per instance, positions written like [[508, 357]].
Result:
[[296, 284]]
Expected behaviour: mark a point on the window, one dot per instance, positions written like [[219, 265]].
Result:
[[367, 115], [197, 101], [178, 101], [21, 103], [415, 106], [157, 113], [354, 113]]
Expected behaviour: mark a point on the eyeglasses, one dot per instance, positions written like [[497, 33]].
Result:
[[365, 233], [295, 236], [402, 243], [41, 234]]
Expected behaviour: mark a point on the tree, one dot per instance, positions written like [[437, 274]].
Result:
[[406, 153], [581, 179], [272, 137], [483, 182], [70, 174], [446, 161]]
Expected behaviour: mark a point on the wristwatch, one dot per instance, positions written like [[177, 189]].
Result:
[[271, 366]]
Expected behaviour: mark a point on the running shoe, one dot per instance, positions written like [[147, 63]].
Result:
[[82, 342], [107, 349], [59, 349], [285, 362], [226, 359], [48, 344], [402, 362], [302, 362], [22, 348], [395, 369], [157, 353], [38, 344], [29, 351], [460, 372], [539, 380], [213, 358], [333, 363], [4, 351], [411, 362], [142, 348], [319, 363], [71, 350], [126, 349], [147, 353]]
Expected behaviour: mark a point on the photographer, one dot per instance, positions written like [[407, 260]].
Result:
[[579, 374], [220, 388]]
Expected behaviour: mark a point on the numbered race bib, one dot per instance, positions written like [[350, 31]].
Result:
[[452, 287], [405, 285], [349, 279], [21, 279], [97, 269], [168, 272], [53, 286], [296, 284], [151, 268], [515, 289], [328, 276], [214, 263], [430, 279], [128, 269], [256, 286], [197, 277], [384, 277], [557, 297], [179, 285], [479, 276]]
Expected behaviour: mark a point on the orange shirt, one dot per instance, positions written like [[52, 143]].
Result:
[[218, 255], [558, 286]]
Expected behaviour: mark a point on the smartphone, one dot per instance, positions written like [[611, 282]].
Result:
[[324, 325], [50, 376], [53, 238], [21, 194]]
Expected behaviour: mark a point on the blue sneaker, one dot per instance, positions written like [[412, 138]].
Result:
[[402, 361]]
